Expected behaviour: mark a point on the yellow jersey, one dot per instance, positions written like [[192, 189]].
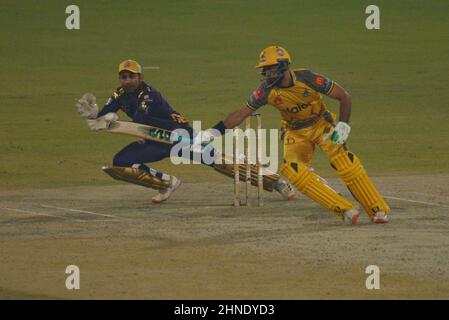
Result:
[[299, 102]]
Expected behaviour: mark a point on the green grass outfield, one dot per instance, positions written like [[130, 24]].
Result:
[[206, 51]]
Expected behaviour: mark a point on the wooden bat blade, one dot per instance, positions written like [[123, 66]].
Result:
[[141, 131]]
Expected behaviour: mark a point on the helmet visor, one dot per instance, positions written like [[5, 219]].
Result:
[[273, 73]]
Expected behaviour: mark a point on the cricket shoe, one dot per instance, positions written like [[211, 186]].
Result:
[[380, 217], [163, 195], [286, 190], [351, 216]]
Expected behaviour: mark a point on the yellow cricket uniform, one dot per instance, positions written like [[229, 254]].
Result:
[[303, 114], [305, 120]]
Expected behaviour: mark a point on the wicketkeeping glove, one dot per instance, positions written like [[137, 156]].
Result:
[[102, 122], [340, 133], [87, 106]]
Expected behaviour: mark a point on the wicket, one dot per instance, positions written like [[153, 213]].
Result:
[[247, 152]]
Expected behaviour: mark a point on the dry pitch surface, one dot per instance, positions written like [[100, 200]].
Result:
[[198, 246]]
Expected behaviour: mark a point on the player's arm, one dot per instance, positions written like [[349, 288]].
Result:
[[112, 105], [339, 93], [233, 119], [333, 90], [342, 129], [257, 99], [327, 86], [237, 117]]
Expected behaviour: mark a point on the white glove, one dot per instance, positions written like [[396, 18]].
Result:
[[102, 122], [204, 137], [87, 106], [340, 133]]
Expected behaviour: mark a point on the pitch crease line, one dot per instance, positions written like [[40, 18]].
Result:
[[39, 214], [415, 201], [81, 211]]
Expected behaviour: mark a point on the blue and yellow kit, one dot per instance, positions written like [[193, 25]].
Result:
[[145, 106]]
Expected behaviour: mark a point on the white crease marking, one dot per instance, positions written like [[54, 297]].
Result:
[[80, 211], [39, 214], [415, 201]]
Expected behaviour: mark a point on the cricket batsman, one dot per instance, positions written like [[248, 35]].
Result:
[[145, 105], [307, 123]]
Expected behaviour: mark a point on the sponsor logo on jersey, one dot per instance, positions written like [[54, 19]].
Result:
[[277, 100], [258, 93], [319, 80], [143, 105]]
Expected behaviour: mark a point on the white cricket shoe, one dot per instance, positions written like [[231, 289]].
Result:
[[380, 217], [286, 190], [351, 216], [163, 195]]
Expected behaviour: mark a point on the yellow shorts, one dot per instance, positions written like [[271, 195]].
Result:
[[299, 145]]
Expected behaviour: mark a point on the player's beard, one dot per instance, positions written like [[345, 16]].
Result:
[[275, 79], [131, 88], [272, 81]]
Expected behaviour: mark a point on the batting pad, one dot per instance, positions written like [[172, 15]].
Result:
[[351, 171], [313, 186], [136, 176]]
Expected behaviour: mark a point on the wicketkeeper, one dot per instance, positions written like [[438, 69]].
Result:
[[145, 105], [307, 123]]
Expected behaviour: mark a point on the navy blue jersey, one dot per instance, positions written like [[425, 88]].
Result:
[[145, 106]]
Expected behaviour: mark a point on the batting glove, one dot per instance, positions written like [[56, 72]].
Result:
[[340, 133], [205, 137]]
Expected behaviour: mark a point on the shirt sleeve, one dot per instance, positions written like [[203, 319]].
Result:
[[316, 81], [259, 97], [112, 105]]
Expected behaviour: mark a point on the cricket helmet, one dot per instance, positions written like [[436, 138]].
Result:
[[270, 57], [130, 65], [273, 55]]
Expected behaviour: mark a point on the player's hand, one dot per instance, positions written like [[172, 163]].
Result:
[[204, 137], [102, 122], [340, 133], [87, 106]]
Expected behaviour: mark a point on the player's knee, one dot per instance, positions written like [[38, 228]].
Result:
[[343, 160], [121, 161]]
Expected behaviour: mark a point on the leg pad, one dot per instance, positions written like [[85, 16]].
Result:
[[313, 186], [351, 171], [136, 176]]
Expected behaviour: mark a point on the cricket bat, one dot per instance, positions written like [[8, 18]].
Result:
[[147, 132]]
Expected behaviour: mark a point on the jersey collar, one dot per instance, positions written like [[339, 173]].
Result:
[[292, 74]]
